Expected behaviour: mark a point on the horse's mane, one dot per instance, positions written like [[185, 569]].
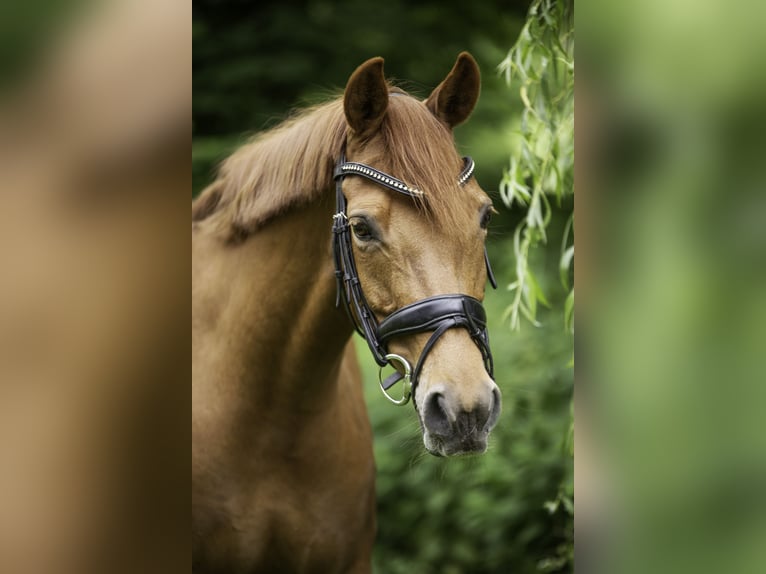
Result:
[[292, 165]]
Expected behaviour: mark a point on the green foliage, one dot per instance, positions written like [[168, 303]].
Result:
[[542, 167], [541, 171]]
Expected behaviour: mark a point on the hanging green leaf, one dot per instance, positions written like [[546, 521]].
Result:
[[540, 66]]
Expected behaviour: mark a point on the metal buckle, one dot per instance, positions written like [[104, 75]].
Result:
[[406, 381]]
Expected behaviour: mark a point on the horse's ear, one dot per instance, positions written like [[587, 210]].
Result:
[[366, 97], [454, 99]]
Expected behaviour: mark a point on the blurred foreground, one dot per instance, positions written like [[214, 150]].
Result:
[[672, 288], [94, 397]]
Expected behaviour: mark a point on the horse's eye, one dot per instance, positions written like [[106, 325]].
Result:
[[361, 229], [486, 217]]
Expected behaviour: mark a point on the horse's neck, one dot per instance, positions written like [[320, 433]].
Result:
[[264, 321]]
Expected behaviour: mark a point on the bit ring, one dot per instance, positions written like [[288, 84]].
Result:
[[406, 379]]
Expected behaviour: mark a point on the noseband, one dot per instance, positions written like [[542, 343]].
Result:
[[433, 314]]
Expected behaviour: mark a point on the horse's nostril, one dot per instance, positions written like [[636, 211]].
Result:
[[494, 410], [436, 417]]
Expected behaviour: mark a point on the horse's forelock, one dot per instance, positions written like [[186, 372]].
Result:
[[423, 155]]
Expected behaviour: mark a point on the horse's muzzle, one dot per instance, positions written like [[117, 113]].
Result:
[[450, 429]]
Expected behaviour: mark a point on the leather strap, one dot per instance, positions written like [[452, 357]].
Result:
[[427, 314], [347, 280], [490, 274], [391, 380]]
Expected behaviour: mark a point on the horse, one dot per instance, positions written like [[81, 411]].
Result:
[[283, 476]]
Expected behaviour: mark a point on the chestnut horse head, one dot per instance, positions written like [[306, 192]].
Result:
[[410, 229]]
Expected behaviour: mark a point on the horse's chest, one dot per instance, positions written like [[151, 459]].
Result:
[[292, 524], [284, 493], [301, 536]]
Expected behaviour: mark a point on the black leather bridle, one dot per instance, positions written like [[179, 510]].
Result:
[[434, 314]]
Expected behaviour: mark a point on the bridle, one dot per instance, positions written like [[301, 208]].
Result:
[[433, 314]]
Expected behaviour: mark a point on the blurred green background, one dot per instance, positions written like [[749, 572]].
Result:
[[508, 510], [673, 95]]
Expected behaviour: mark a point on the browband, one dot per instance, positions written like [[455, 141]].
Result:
[[392, 183]]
